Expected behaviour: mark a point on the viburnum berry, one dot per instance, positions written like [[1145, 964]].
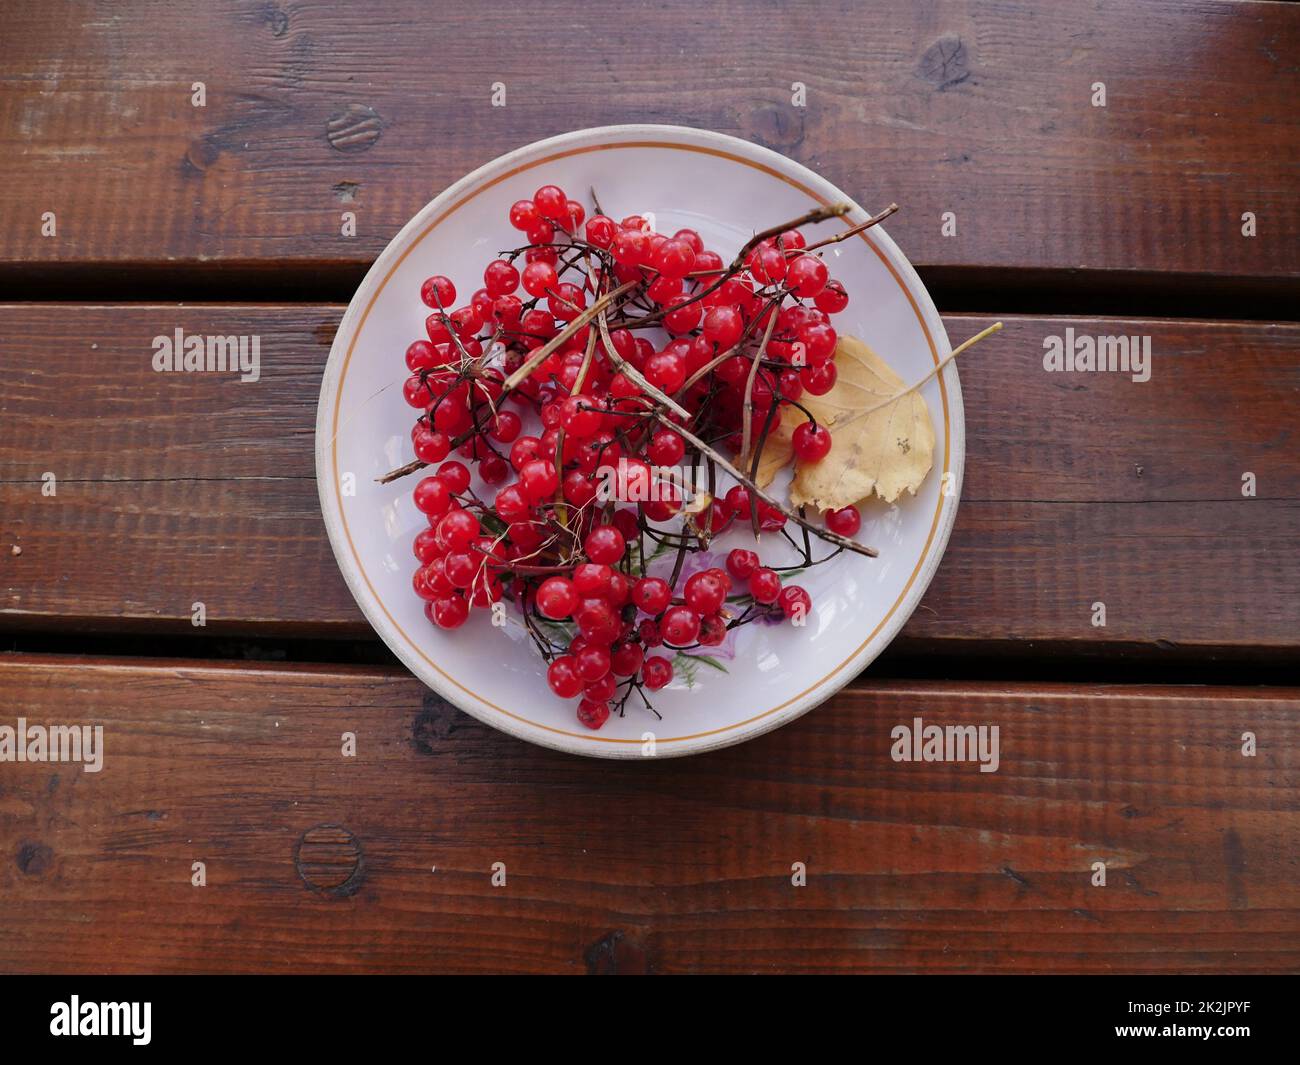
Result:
[[593, 662], [811, 441], [457, 529], [666, 448], [500, 278], [563, 677], [524, 450], [551, 202], [832, 299], [600, 230], [819, 379], [512, 504], [448, 612], [524, 215], [680, 626], [764, 585], [741, 563], [674, 258], [795, 602], [577, 417], [538, 479], [625, 658], [845, 521], [713, 630], [656, 672], [593, 714], [682, 316], [666, 370], [705, 592], [438, 292], [539, 278], [557, 598], [602, 690], [456, 474], [604, 544], [806, 276], [592, 578], [597, 621], [723, 325], [432, 496], [651, 594], [431, 447], [579, 489]]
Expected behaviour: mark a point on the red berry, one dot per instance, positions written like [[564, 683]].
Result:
[[524, 450], [551, 202], [604, 544], [680, 626], [723, 325], [845, 521], [656, 672], [556, 598], [764, 585], [600, 230], [524, 215], [563, 677], [674, 258], [505, 426], [431, 446], [666, 370], [705, 592], [741, 563], [806, 276], [538, 479], [457, 529], [690, 237], [651, 594], [811, 441], [426, 546], [602, 690], [665, 448], [577, 419], [593, 662], [438, 292], [598, 621], [625, 658], [832, 299], [630, 247], [593, 714], [511, 504], [795, 602], [579, 488], [449, 612], [456, 474], [592, 578], [819, 379], [500, 278], [538, 278], [682, 317], [432, 496], [713, 630]]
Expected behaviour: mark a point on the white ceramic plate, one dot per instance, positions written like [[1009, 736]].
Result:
[[765, 675]]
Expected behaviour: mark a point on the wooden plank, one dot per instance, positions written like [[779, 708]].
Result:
[[1080, 488], [984, 109], [665, 867]]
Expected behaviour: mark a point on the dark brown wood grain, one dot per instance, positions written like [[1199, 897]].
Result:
[[383, 862], [983, 109], [180, 488]]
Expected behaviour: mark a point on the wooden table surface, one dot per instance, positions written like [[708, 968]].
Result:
[[1170, 212]]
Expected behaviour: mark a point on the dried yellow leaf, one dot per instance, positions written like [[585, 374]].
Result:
[[882, 439]]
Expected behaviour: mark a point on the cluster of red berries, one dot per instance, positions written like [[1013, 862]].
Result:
[[745, 339]]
